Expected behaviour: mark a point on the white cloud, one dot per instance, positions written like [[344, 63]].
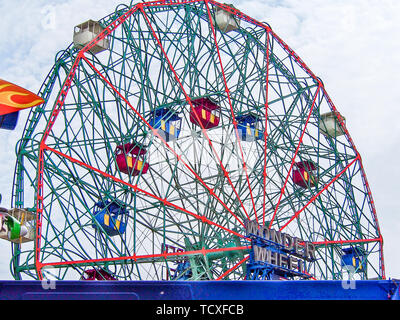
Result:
[[351, 45]]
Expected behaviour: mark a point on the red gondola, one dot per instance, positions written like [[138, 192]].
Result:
[[305, 174], [130, 159], [205, 113], [97, 274]]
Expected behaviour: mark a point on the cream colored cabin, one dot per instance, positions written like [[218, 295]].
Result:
[[329, 125], [225, 21], [87, 32]]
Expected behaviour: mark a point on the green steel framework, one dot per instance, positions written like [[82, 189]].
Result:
[[201, 187]]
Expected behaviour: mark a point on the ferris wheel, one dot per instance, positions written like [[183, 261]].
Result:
[[167, 128]]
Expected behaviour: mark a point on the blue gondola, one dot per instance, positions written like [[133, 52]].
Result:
[[167, 122], [182, 271], [9, 121], [249, 127], [111, 217], [354, 257]]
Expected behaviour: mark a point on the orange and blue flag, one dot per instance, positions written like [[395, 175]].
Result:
[[14, 98]]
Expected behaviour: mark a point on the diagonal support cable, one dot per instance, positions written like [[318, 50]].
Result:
[[294, 158], [319, 193], [231, 107]]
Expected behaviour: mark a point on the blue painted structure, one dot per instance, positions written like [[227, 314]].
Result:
[[263, 270], [200, 290]]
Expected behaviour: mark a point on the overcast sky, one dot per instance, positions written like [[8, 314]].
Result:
[[352, 45]]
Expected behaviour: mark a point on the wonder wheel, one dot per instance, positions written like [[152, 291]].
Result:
[[167, 126]]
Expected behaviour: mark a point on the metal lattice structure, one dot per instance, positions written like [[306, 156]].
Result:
[[117, 186]]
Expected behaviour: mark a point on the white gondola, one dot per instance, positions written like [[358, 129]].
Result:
[[329, 125], [225, 21], [87, 32]]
